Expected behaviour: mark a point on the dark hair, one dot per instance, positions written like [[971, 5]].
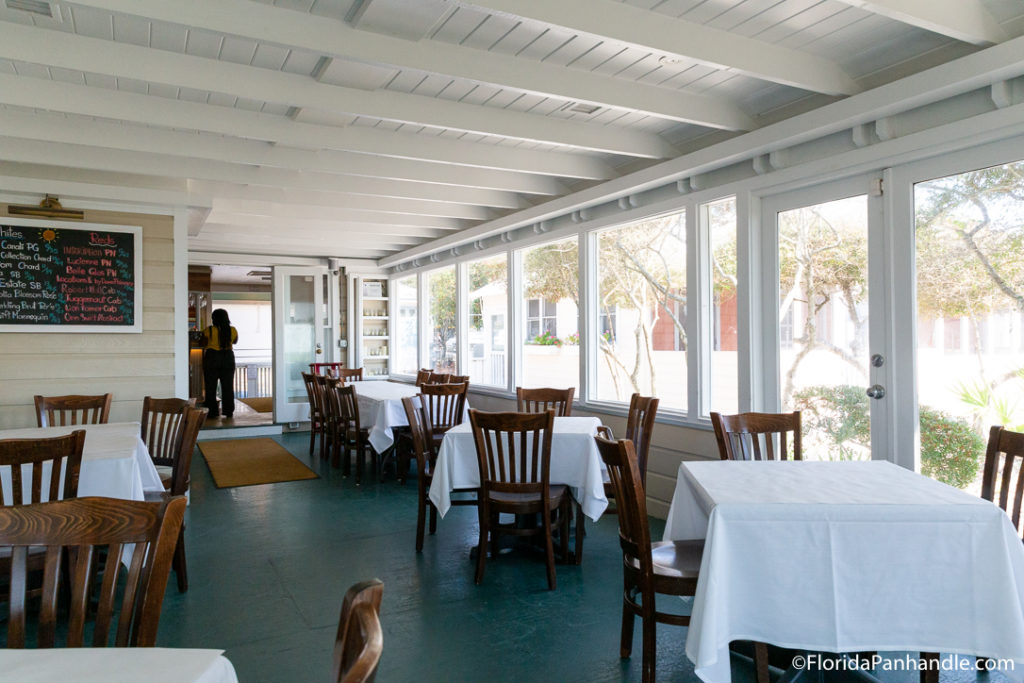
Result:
[[223, 324]]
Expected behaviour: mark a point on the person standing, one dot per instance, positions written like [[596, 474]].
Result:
[[219, 363]]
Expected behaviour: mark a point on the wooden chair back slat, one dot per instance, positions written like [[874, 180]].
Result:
[[360, 641], [445, 404], [438, 378], [624, 472], [525, 466], [758, 436], [643, 410], [422, 376], [162, 419], [543, 400], [1003, 474], [81, 526], [182, 461], [63, 455], [420, 432], [350, 374], [348, 406], [60, 411]]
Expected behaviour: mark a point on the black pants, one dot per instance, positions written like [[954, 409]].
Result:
[[219, 364]]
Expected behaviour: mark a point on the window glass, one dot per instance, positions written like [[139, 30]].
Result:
[[641, 304], [550, 297], [488, 308], [406, 330], [721, 221], [441, 302]]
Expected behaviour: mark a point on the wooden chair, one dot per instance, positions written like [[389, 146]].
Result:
[[420, 432], [422, 376], [322, 424], [639, 429], [757, 436], [360, 640], [161, 423], [458, 379], [58, 411], [61, 453], [83, 525], [514, 457], [325, 369], [438, 378], [351, 435], [179, 483], [317, 426], [541, 400], [1003, 475], [446, 406], [350, 374], [667, 568]]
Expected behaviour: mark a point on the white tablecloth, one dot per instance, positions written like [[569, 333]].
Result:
[[116, 665], [574, 461], [380, 406], [844, 557], [115, 461]]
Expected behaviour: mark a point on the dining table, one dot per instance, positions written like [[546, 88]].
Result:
[[846, 557], [380, 407], [575, 462], [116, 665], [115, 460]]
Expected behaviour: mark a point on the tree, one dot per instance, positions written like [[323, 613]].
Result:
[[441, 288]]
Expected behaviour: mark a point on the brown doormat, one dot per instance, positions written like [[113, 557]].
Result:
[[261, 404], [245, 462]]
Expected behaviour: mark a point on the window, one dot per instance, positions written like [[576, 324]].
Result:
[[550, 295], [541, 319], [641, 291], [406, 329], [441, 323], [488, 308], [720, 218]]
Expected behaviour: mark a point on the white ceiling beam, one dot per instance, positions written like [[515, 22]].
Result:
[[70, 190], [120, 161], [68, 51], [315, 200], [235, 243], [159, 111], [410, 227], [649, 30], [384, 221], [350, 239], [965, 20], [265, 23], [58, 128]]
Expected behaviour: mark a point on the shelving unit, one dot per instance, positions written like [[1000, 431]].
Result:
[[373, 327]]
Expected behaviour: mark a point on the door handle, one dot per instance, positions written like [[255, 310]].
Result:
[[319, 349], [876, 391]]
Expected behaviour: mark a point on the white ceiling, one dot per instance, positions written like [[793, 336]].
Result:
[[361, 128]]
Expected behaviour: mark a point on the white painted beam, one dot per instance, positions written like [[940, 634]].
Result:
[[71, 190], [265, 23], [159, 111], [59, 49], [642, 28], [338, 201], [58, 128], [384, 230], [359, 239], [81, 156], [384, 222], [965, 20], [237, 243]]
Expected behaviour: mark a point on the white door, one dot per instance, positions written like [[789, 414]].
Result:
[[826, 334], [302, 331]]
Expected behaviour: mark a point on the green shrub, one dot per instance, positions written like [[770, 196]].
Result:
[[951, 450]]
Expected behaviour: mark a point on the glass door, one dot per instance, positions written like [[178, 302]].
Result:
[[820, 318], [302, 325]]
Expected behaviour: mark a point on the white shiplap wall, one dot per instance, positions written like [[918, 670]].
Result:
[[131, 366]]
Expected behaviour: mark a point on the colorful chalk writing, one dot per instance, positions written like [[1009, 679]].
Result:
[[66, 276]]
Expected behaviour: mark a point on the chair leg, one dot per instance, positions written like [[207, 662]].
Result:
[[626, 637], [481, 548], [581, 531], [421, 514], [358, 448], [180, 565], [563, 530], [433, 518], [650, 646], [761, 662], [549, 550], [312, 436]]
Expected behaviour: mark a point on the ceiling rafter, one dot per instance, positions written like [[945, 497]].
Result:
[[82, 156], [68, 51], [266, 23], [965, 20], [652, 31], [385, 221], [151, 110], [387, 232], [41, 126]]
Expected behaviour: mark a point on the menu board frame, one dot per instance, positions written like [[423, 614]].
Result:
[[134, 230]]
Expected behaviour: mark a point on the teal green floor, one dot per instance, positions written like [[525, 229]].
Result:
[[268, 566]]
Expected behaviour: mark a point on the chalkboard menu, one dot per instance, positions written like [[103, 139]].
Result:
[[57, 277]]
